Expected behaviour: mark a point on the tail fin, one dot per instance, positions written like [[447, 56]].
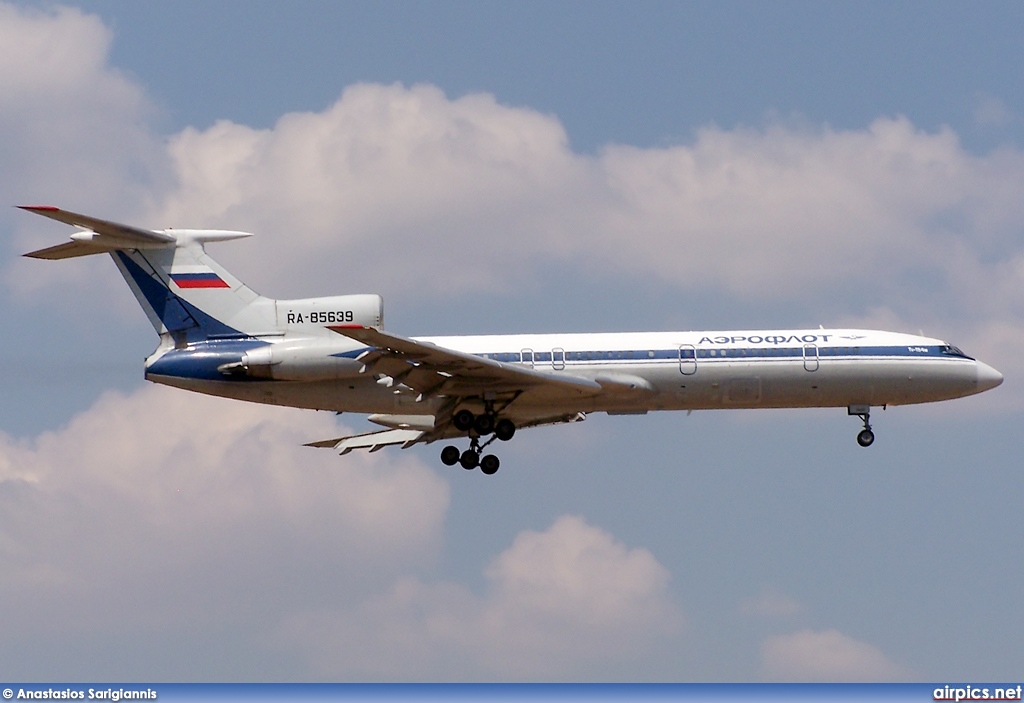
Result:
[[186, 294]]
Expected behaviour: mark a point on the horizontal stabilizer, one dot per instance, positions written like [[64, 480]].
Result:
[[104, 228], [370, 440], [67, 250], [102, 236]]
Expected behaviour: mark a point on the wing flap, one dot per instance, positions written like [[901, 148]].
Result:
[[370, 440]]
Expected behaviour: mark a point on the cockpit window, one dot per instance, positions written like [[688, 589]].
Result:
[[950, 350]]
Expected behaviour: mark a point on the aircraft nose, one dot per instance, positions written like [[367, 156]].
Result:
[[988, 377]]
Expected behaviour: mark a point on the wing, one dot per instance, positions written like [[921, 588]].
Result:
[[408, 437], [433, 370]]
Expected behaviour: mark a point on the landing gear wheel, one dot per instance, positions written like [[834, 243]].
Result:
[[469, 460], [463, 420], [484, 424], [863, 411], [504, 429], [450, 455], [489, 464]]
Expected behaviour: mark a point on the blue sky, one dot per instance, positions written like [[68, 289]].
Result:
[[642, 74], [516, 167]]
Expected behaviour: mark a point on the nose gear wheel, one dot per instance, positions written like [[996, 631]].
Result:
[[865, 437]]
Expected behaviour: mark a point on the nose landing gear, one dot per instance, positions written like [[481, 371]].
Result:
[[865, 437], [478, 426]]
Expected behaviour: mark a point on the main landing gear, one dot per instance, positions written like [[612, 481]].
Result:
[[865, 437], [478, 426]]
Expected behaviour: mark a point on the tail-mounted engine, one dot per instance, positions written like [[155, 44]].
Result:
[[320, 356], [300, 360]]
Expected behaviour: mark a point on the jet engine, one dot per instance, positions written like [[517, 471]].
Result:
[[301, 360]]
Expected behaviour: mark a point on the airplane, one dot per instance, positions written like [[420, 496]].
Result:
[[219, 337]]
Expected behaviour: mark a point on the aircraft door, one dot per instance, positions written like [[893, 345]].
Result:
[[528, 357], [687, 359], [558, 358], [811, 357]]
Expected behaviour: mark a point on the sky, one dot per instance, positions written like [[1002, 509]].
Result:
[[516, 167]]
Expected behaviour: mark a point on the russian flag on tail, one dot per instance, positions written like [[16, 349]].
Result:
[[200, 279]]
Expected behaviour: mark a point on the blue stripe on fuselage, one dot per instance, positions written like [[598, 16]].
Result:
[[200, 360], [353, 354], [732, 354]]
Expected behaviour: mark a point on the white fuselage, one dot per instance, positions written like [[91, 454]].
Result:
[[668, 371]]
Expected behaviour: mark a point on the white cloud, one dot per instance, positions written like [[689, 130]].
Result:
[[452, 194], [564, 603], [420, 190], [771, 212], [828, 655], [438, 196], [160, 447], [164, 511], [74, 132], [72, 128]]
